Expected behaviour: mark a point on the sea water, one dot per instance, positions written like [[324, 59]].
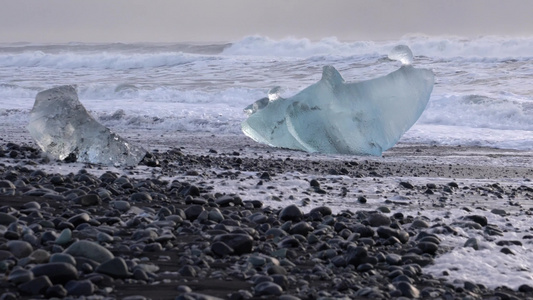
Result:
[[483, 94]]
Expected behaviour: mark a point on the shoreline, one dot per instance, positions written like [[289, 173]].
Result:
[[463, 182]]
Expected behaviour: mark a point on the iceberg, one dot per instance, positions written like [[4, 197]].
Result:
[[64, 129], [334, 116]]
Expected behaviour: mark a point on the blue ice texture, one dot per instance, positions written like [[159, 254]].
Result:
[[334, 116]]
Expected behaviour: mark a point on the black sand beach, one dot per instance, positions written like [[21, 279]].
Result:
[[208, 216]]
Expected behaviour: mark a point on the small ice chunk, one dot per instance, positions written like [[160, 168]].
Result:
[[402, 53], [273, 93], [63, 128], [334, 116]]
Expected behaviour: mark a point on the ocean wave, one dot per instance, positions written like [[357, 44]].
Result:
[[101, 60], [479, 111], [439, 47]]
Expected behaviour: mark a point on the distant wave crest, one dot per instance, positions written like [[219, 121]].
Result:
[[440, 47]]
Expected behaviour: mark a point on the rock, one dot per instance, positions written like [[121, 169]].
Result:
[[88, 200], [428, 247], [57, 272], [481, 220], [62, 257], [37, 286], [408, 290], [115, 267], [89, 250], [19, 249], [221, 249], [267, 288], [378, 219], [56, 291], [40, 256], [499, 212], [240, 243], [141, 197], [80, 288], [6, 219], [302, 228], [65, 237], [291, 213], [19, 276], [121, 205], [192, 212]]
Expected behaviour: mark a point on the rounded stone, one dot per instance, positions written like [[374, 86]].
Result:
[[121, 205], [141, 197], [36, 286], [291, 213], [90, 250], [240, 243], [19, 249], [115, 267], [57, 272], [80, 288], [63, 257], [6, 219], [268, 288], [65, 237], [19, 276], [378, 219], [40, 256]]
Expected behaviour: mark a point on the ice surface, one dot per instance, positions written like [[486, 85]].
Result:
[[333, 116], [64, 129]]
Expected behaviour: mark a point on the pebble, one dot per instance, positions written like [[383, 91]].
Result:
[[90, 250], [57, 272], [115, 267]]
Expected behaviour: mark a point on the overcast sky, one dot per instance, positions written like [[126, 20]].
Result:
[[230, 20]]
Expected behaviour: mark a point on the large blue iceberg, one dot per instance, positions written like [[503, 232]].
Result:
[[334, 116]]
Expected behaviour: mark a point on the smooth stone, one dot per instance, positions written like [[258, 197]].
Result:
[[215, 215], [499, 212], [302, 228], [103, 237], [196, 296], [428, 247], [188, 270], [57, 272], [268, 288], [291, 213], [323, 210], [115, 267], [56, 291], [79, 219], [19, 249], [36, 286], [141, 197], [6, 219], [7, 184], [19, 276], [121, 205], [408, 290], [481, 220], [240, 243], [80, 288], [386, 232], [419, 223], [40, 256], [88, 200], [192, 212], [63, 257], [89, 250], [65, 237], [378, 219]]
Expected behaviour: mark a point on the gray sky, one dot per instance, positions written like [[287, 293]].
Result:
[[230, 20]]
